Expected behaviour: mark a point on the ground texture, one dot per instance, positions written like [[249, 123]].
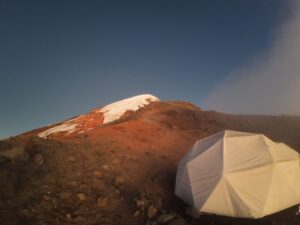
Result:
[[124, 172]]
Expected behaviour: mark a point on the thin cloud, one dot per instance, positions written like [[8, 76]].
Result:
[[271, 84]]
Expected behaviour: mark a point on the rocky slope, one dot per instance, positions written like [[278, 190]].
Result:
[[121, 172]]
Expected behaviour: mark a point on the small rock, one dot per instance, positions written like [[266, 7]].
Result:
[[102, 202], [116, 162], [83, 186], [33, 210], [64, 195], [119, 180], [81, 197], [105, 167], [79, 220], [298, 212], [73, 184], [38, 159], [151, 211], [97, 185], [157, 202], [166, 218], [136, 213], [97, 174], [140, 203], [71, 159], [78, 174], [193, 212], [68, 216], [132, 158], [46, 197], [142, 193]]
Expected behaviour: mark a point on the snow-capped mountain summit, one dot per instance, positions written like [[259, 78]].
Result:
[[117, 109], [99, 116]]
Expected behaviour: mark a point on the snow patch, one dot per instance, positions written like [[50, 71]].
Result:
[[117, 109], [70, 128]]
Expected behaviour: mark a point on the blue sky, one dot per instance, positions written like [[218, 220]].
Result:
[[62, 58]]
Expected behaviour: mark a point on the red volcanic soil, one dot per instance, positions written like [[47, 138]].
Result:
[[123, 172]]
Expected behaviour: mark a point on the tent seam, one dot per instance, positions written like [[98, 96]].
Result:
[[269, 190], [198, 156], [241, 199]]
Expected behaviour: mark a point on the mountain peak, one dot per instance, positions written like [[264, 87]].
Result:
[[100, 116], [117, 109]]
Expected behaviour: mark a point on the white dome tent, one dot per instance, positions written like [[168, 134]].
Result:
[[239, 174]]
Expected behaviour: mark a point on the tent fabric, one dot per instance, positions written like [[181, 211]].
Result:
[[239, 174]]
